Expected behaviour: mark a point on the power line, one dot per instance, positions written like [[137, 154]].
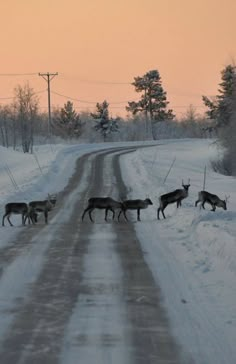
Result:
[[72, 98], [18, 74], [85, 101], [6, 98], [97, 82], [105, 82]]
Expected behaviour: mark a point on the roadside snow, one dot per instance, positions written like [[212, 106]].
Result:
[[192, 254]]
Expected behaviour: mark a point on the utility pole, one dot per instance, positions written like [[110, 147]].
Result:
[[48, 77]]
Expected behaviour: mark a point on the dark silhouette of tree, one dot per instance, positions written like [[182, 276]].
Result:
[[70, 121], [104, 123], [153, 102], [220, 107]]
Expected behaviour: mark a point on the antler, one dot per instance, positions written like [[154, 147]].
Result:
[[227, 198]]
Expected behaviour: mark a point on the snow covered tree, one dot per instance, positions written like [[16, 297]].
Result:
[[220, 107], [222, 110], [70, 121], [153, 102], [26, 107], [104, 123]]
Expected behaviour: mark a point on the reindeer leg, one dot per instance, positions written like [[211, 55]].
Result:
[[119, 215], [113, 212], [122, 211], [158, 213], [8, 218], [3, 219], [106, 212], [90, 214], [126, 218], [138, 214], [85, 211], [162, 210], [196, 202], [23, 219], [32, 218], [46, 216]]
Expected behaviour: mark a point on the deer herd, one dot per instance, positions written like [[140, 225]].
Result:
[[29, 212]]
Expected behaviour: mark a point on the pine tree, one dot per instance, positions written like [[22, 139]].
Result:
[[104, 123], [70, 121], [153, 102], [220, 107]]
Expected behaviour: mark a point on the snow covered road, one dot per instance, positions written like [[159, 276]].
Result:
[[118, 292]]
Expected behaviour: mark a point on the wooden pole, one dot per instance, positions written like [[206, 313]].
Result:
[[169, 170], [204, 180]]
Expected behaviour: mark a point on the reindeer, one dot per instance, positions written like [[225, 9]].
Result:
[[17, 208], [42, 206], [213, 200], [172, 197], [134, 205], [102, 203]]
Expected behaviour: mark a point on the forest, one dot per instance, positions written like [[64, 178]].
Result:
[[22, 125]]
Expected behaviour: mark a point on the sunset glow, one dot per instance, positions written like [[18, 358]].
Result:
[[99, 46]]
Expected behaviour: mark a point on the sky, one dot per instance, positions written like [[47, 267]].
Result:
[[191, 254], [99, 46]]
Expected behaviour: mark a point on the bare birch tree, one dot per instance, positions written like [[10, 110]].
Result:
[[26, 105]]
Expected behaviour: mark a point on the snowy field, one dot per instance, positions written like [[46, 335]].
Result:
[[192, 254]]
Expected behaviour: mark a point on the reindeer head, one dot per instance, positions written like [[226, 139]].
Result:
[[148, 201], [52, 199], [186, 186]]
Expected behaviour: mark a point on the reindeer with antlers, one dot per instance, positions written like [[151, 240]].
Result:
[[41, 207], [172, 197]]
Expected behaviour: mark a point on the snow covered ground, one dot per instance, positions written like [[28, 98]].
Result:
[[192, 254]]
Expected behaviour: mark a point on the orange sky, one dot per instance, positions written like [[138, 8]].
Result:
[[99, 46]]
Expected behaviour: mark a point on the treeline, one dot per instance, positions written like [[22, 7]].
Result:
[[150, 118], [22, 123], [21, 129]]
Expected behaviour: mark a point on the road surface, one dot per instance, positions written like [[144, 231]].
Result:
[[85, 293]]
